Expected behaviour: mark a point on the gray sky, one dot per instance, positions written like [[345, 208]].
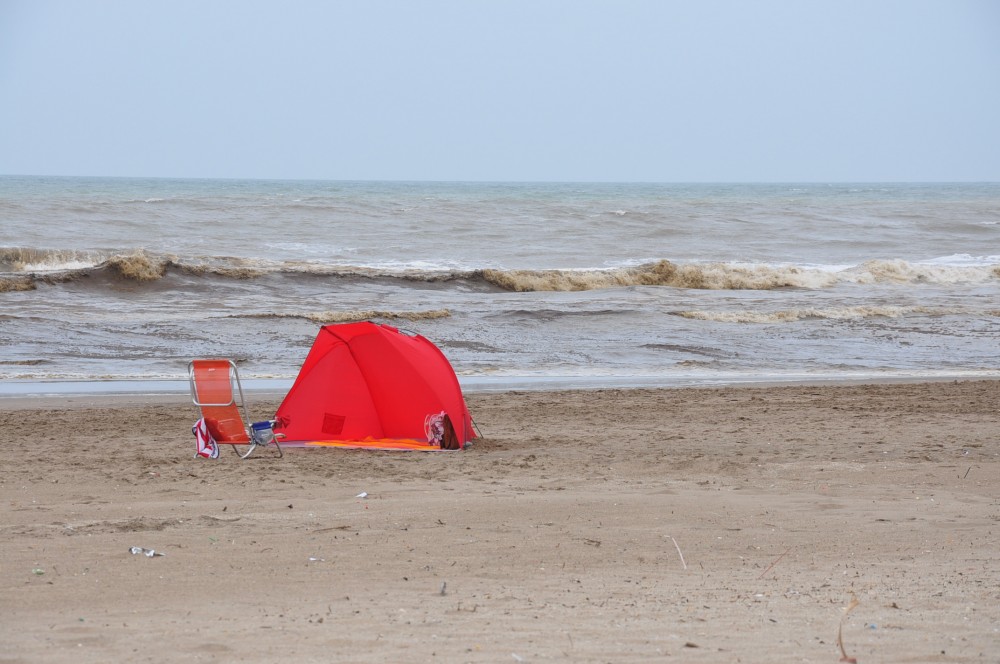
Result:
[[576, 90]]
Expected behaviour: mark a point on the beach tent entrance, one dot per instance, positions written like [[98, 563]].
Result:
[[370, 385]]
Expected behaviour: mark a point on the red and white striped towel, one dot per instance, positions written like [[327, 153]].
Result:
[[207, 447]]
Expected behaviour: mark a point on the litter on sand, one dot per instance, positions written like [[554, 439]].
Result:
[[149, 553]]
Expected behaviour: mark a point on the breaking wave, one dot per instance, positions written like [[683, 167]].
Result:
[[709, 276], [905, 272], [737, 276], [24, 259], [143, 266], [54, 266], [12, 284], [23, 268], [836, 313], [326, 317]]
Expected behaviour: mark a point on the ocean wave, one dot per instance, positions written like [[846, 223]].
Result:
[[139, 266], [144, 266], [53, 266], [834, 313], [905, 272], [739, 276], [27, 259], [20, 268], [706, 276], [14, 284], [327, 317]]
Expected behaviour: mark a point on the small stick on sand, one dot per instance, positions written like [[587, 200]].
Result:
[[678, 551], [773, 564], [840, 633]]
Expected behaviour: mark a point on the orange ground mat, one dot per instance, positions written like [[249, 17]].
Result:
[[370, 444]]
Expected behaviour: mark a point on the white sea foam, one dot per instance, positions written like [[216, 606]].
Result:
[[26, 259], [901, 272], [59, 266], [964, 260]]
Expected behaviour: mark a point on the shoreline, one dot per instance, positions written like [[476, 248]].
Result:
[[15, 389]]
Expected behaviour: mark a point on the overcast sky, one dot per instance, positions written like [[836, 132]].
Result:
[[572, 90]]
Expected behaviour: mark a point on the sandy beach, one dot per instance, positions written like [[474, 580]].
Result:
[[702, 525]]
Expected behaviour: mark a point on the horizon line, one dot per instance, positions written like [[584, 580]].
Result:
[[473, 181]]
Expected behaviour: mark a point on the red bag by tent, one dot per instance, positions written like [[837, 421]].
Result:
[[369, 385]]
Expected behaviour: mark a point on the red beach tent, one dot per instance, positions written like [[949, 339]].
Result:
[[370, 385]]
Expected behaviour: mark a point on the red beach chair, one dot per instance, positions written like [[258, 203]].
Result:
[[216, 390]]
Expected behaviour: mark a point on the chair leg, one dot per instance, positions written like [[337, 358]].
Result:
[[254, 445]]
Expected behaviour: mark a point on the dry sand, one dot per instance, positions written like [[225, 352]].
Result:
[[696, 525]]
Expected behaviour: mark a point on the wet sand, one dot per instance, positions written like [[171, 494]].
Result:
[[709, 525]]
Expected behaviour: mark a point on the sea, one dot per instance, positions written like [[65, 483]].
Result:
[[124, 280]]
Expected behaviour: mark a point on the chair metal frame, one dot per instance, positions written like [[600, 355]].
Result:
[[258, 434]]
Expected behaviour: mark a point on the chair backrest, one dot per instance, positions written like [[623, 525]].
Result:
[[212, 390]]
